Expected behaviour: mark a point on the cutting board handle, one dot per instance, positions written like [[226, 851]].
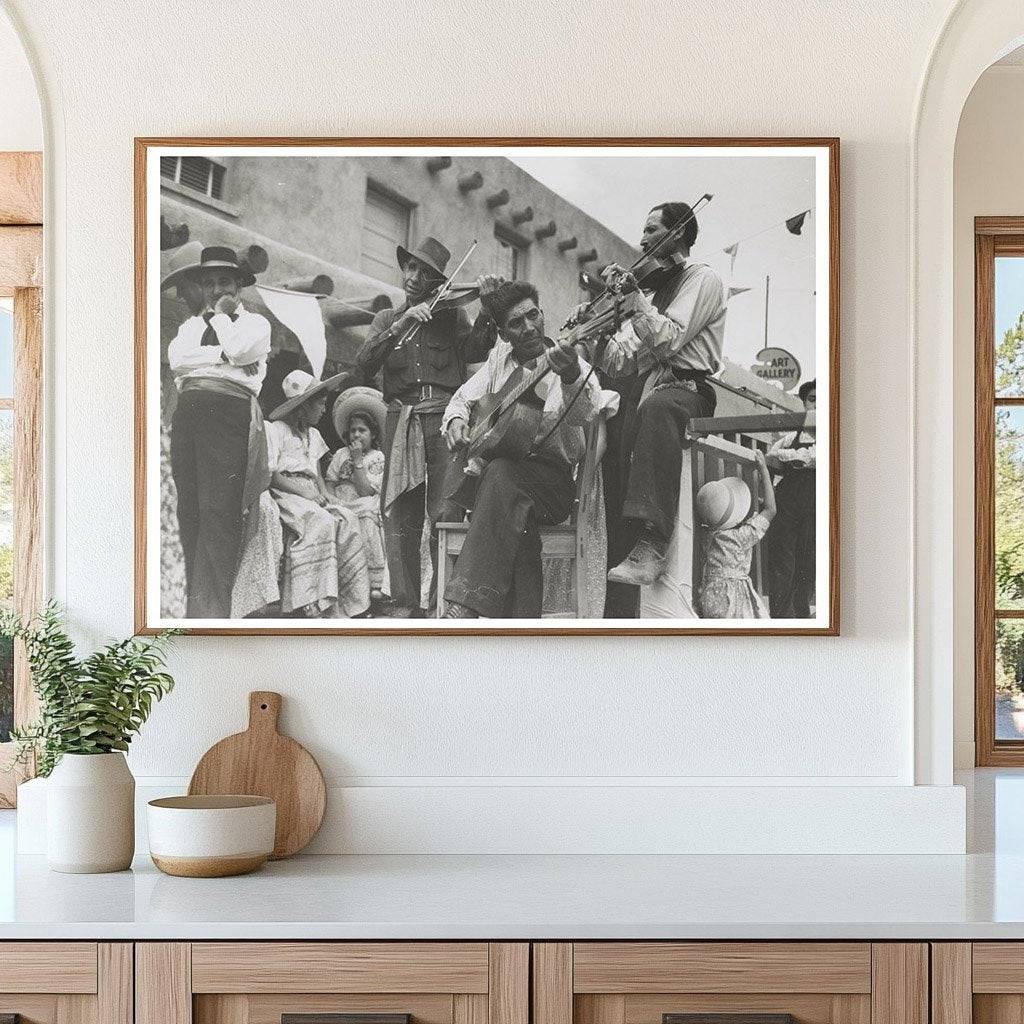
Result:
[[264, 710]]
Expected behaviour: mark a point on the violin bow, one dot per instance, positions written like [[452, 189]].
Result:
[[443, 289]]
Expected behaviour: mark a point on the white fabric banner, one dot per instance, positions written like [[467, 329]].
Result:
[[300, 313]]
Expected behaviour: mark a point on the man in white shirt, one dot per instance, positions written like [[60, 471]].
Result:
[[218, 448], [498, 572], [673, 342]]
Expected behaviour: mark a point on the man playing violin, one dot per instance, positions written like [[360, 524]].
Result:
[[421, 372], [673, 342], [498, 572]]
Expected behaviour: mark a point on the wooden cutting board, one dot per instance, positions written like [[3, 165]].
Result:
[[262, 762]]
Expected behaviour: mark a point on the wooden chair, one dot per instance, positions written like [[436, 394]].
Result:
[[580, 540]]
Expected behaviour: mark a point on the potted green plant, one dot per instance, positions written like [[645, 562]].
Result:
[[89, 710]]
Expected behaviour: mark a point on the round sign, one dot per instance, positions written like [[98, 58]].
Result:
[[778, 366]]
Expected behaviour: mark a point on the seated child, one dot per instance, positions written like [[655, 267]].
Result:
[[324, 572], [356, 474], [723, 508]]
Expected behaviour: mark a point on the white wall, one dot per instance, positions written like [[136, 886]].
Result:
[[988, 181], [21, 125], [400, 713]]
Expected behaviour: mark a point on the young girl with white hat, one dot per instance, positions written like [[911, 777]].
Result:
[[722, 507]]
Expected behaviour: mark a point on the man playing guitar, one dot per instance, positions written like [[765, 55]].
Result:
[[498, 572]]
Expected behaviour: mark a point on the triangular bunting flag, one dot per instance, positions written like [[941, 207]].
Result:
[[301, 314], [735, 291], [732, 249], [796, 224]]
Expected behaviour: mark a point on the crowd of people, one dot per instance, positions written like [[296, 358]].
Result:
[[272, 521]]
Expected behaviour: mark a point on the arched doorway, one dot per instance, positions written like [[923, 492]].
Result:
[[976, 33]]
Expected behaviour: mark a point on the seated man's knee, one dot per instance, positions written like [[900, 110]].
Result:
[[499, 470]]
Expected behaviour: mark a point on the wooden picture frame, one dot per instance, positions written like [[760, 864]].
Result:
[[21, 263], [207, 208]]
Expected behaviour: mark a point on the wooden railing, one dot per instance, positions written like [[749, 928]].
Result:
[[725, 446]]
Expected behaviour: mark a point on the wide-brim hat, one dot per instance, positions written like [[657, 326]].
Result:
[[299, 387], [722, 504], [362, 400], [430, 251], [213, 257]]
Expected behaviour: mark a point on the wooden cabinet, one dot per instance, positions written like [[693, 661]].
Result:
[[646, 982], [494, 983], [979, 982], [260, 982], [66, 982]]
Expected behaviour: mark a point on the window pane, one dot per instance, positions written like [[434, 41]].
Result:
[[1009, 679], [6, 349], [385, 227], [6, 567], [1009, 325], [1009, 512]]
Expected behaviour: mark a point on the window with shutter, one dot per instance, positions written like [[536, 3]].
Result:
[[195, 172]]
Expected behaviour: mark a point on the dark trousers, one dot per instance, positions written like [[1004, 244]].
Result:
[[403, 523], [653, 441], [209, 451], [789, 547], [498, 572]]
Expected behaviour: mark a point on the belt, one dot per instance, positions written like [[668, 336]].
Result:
[[220, 385], [424, 392], [698, 375]]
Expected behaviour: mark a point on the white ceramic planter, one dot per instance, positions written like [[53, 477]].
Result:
[[90, 814]]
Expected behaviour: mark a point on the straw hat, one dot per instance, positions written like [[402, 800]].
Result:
[[299, 387], [366, 401], [722, 504]]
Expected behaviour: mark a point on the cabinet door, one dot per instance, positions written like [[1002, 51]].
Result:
[[332, 983], [980, 982], [66, 982], [737, 982]]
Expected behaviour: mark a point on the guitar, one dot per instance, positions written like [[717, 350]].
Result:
[[505, 423]]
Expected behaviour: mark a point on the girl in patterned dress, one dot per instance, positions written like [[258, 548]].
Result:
[[722, 507], [324, 573]]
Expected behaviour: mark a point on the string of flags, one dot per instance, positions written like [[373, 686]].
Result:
[[794, 225]]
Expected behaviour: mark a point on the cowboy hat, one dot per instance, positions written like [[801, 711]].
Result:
[[212, 257], [722, 504], [300, 387], [367, 402], [430, 252]]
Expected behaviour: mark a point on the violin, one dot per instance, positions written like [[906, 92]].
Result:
[[447, 295], [641, 275]]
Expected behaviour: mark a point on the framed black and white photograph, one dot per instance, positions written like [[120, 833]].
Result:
[[542, 386]]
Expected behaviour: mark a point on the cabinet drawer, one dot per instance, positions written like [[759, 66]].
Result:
[[261, 982], [738, 982]]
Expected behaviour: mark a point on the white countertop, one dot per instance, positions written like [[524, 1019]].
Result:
[[532, 897], [978, 896]]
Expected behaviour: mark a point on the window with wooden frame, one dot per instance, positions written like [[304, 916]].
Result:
[[21, 366]]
